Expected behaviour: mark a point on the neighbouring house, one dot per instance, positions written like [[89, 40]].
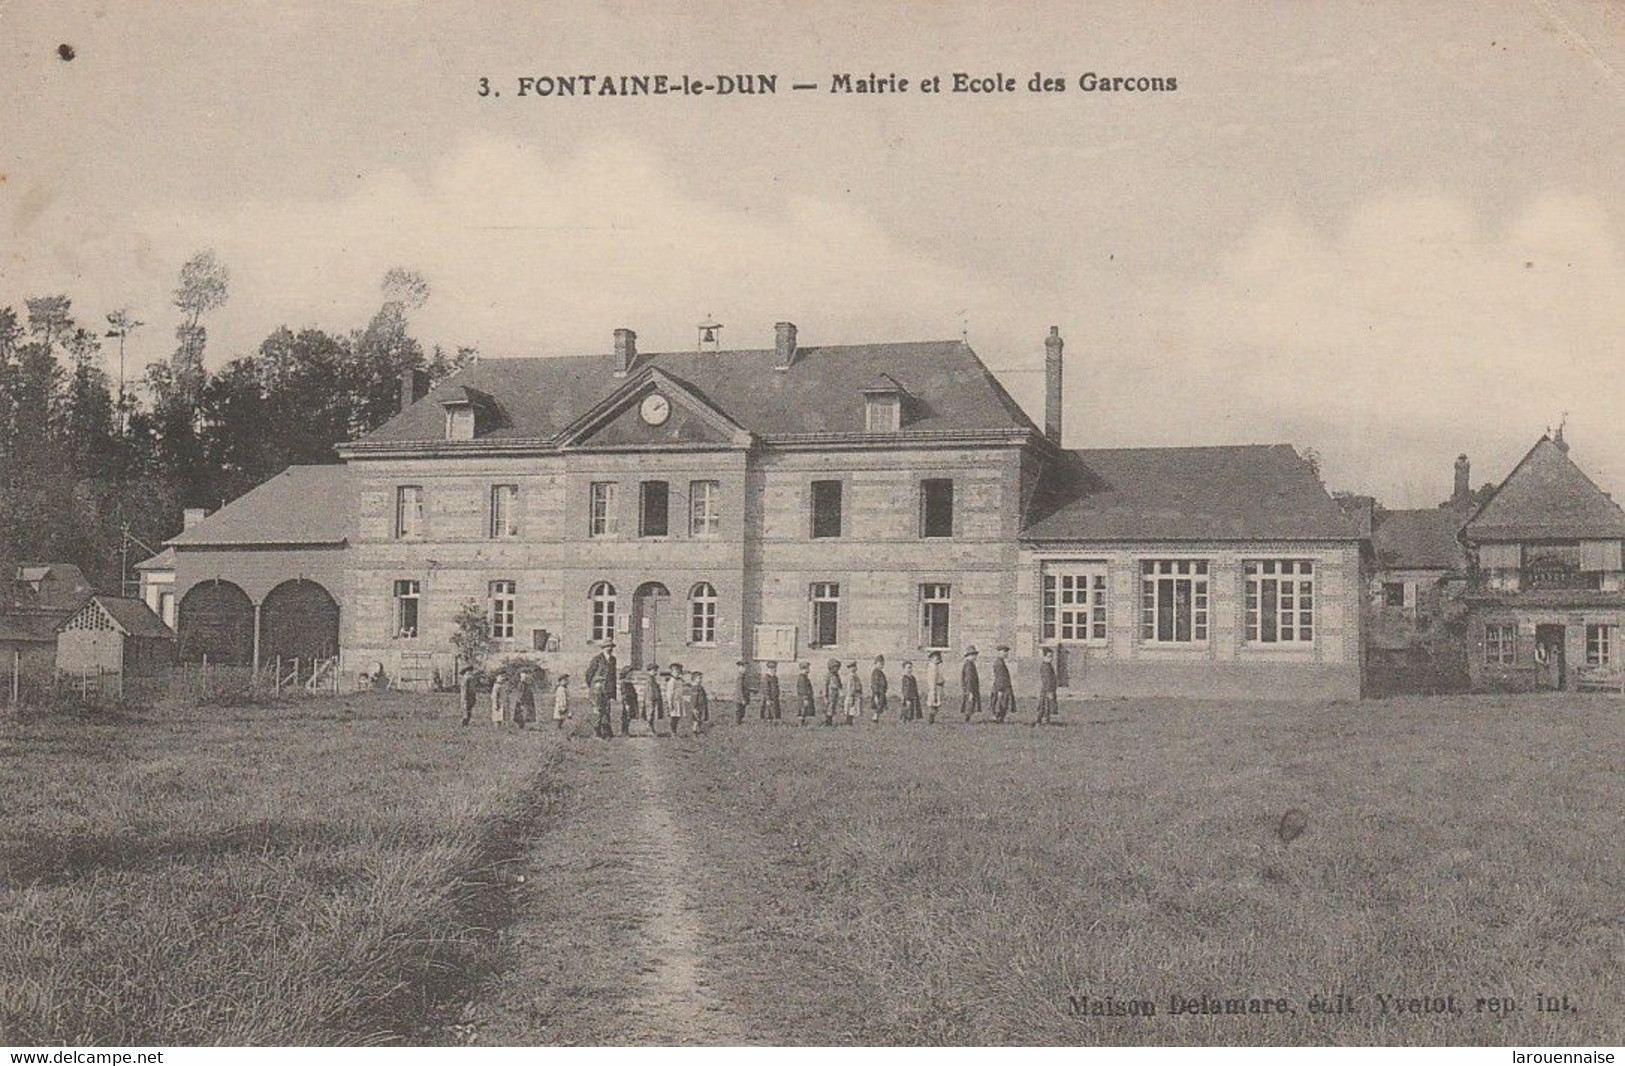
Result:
[[48, 587], [1414, 610], [784, 503], [113, 636], [157, 589], [27, 651], [39, 597], [1547, 599]]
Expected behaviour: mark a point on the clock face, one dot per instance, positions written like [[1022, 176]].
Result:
[[656, 409]]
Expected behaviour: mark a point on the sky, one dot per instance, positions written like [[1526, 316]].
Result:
[[1388, 231]]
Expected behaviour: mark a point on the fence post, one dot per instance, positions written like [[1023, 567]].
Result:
[[16, 676]]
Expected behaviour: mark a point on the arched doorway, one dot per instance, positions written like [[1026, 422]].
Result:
[[217, 621], [651, 625], [299, 620]]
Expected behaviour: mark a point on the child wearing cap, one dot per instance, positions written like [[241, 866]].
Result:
[[970, 686], [909, 688], [853, 703], [702, 700], [741, 691], [832, 691], [879, 687], [934, 686], [1003, 696], [561, 701], [804, 693], [769, 710]]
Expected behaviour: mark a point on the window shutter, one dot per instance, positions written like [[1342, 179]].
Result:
[[1601, 555]]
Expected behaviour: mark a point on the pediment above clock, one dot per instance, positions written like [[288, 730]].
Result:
[[636, 417]]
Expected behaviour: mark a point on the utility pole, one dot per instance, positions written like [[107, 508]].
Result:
[[122, 323]]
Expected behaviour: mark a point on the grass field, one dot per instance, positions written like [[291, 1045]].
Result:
[[350, 871], [317, 873]]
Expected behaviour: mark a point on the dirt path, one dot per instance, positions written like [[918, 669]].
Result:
[[679, 1004]]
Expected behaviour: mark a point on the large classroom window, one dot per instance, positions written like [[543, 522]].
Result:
[[407, 595], [602, 599], [826, 614], [601, 509], [1280, 601], [1075, 606], [936, 606], [702, 614], [1173, 601], [704, 508]]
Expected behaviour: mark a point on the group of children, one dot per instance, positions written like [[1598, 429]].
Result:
[[676, 695]]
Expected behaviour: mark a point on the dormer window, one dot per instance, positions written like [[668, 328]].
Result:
[[884, 405], [469, 413]]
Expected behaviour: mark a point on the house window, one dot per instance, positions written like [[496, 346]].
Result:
[[503, 598], [460, 423], [883, 414], [654, 511], [937, 507], [1393, 593], [826, 509], [1173, 601], [935, 607], [1075, 606], [407, 594], [826, 614], [409, 511], [1599, 645], [702, 614], [504, 510], [1501, 644], [1281, 601], [600, 509], [602, 597], [704, 508]]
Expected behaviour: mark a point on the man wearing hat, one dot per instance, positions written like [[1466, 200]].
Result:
[[601, 677], [970, 685], [1003, 696], [769, 711], [1047, 688]]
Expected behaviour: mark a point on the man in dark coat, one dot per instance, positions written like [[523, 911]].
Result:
[[1047, 688], [1003, 696], [602, 678], [742, 695], [970, 686], [909, 688], [804, 694], [629, 701], [878, 687], [769, 710]]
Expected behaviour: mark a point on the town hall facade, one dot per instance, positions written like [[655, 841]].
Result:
[[785, 503]]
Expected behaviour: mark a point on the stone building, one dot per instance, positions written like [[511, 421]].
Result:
[[1547, 600], [791, 502]]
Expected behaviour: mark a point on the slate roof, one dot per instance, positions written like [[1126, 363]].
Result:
[[1241, 492], [133, 616], [302, 505], [1547, 497], [820, 393], [37, 628], [164, 560], [1419, 540], [63, 587]]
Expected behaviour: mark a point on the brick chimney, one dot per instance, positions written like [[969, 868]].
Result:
[[1464, 480], [414, 387], [784, 344], [626, 351], [191, 516], [1052, 384]]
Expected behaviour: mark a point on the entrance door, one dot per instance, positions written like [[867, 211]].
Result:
[[1553, 671], [648, 605]]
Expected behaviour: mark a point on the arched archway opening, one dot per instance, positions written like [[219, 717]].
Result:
[[216, 620], [299, 619]]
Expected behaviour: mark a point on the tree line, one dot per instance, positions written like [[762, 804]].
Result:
[[89, 467]]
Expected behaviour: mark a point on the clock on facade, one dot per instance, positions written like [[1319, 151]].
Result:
[[655, 409]]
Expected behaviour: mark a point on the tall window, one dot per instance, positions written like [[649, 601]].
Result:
[[1501, 644], [702, 614], [166, 608], [704, 508], [1281, 601], [602, 597], [937, 507], [826, 508], [407, 594], [503, 599], [935, 608], [601, 509], [1599, 645], [1075, 606], [826, 614], [654, 510], [504, 510], [1393, 593], [1173, 601], [409, 511]]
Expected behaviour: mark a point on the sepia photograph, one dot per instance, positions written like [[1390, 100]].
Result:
[[809, 523]]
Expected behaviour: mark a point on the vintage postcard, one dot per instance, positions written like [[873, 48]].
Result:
[[811, 523]]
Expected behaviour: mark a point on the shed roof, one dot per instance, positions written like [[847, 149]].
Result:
[[133, 617], [303, 505], [1232, 492]]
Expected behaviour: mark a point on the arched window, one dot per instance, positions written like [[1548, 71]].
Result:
[[603, 611], [702, 614]]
